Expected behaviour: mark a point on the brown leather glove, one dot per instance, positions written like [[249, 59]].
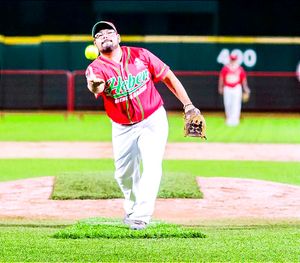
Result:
[[194, 124]]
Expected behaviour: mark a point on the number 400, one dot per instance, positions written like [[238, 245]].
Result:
[[248, 57]]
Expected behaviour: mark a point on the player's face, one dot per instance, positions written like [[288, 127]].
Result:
[[107, 40]]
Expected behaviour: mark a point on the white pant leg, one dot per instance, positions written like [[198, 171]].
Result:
[[151, 143], [127, 162], [232, 103], [227, 102], [145, 140]]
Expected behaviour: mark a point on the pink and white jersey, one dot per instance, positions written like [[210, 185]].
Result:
[[129, 95], [233, 77]]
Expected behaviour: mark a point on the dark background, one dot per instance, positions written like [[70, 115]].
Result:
[[277, 92], [215, 17]]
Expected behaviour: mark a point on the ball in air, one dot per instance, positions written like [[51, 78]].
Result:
[[91, 52]]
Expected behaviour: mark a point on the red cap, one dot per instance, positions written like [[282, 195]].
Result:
[[233, 57]]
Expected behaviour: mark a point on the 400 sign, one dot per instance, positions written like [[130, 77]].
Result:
[[248, 57]]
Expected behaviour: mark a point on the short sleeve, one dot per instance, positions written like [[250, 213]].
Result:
[[157, 68], [90, 73], [223, 72], [243, 74]]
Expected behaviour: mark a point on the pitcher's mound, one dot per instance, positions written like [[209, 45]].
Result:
[[224, 198]]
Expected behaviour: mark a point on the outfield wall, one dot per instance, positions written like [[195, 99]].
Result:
[[66, 90], [270, 63], [179, 52]]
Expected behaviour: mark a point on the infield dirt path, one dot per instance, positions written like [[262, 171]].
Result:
[[224, 198]]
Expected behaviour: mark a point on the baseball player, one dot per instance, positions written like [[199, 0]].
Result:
[[124, 77], [232, 84]]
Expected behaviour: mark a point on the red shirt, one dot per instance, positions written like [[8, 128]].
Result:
[[232, 77], [130, 95]]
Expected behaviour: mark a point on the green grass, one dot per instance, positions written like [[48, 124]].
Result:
[[240, 242], [55, 127], [282, 172], [86, 185], [12, 169], [114, 228], [264, 243], [101, 185], [97, 127]]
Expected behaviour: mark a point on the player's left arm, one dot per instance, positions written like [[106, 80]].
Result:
[[245, 82], [194, 122], [176, 87], [245, 86]]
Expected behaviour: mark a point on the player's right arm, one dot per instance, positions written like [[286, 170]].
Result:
[[221, 80], [94, 84], [221, 84]]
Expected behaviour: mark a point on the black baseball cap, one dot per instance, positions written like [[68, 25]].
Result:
[[102, 25]]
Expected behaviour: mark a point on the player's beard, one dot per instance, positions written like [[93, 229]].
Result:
[[108, 46]]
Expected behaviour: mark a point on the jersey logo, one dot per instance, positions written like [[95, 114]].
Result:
[[232, 78], [120, 89]]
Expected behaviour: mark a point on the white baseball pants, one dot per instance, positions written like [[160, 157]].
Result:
[[233, 103], [143, 142]]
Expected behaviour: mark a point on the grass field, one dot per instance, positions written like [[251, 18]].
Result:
[[97, 127], [35, 241], [267, 243]]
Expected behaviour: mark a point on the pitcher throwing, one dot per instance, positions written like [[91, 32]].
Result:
[[124, 77]]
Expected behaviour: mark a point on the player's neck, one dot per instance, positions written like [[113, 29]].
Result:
[[114, 55], [233, 65]]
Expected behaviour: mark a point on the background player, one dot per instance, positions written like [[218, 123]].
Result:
[[124, 77], [232, 84]]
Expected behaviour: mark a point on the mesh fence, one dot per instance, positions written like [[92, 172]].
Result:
[[274, 93], [33, 90], [45, 90], [270, 92], [84, 99]]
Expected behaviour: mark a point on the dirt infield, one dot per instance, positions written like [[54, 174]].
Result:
[[224, 198]]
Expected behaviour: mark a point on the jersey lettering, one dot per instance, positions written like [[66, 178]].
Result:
[[118, 88], [130, 95]]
